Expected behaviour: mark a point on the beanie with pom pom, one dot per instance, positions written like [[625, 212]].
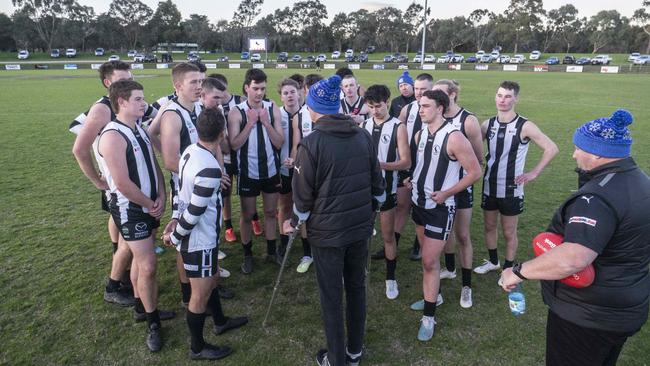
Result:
[[606, 137]]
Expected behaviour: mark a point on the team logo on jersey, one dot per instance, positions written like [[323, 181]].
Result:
[[583, 220], [491, 133], [385, 138], [501, 135], [436, 149], [422, 145], [588, 199]]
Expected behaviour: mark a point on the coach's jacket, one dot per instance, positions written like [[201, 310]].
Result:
[[336, 177]]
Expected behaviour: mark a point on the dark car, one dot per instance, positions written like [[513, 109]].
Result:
[[311, 58], [363, 57], [223, 59], [351, 58], [583, 61], [370, 49], [296, 58], [569, 60], [402, 59], [193, 56], [471, 59], [166, 57], [552, 61], [283, 57], [245, 55], [149, 57], [389, 58]]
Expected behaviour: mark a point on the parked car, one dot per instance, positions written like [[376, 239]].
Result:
[[283, 57], [457, 58], [223, 59], [633, 56], [256, 57], [479, 54], [430, 58], [149, 57], [485, 59], [471, 59], [552, 61], [363, 57], [417, 58], [55, 53], [138, 57], [518, 59], [389, 58], [569, 60], [503, 59], [601, 60], [193, 56], [321, 58], [642, 60], [535, 55], [245, 55], [349, 52], [443, 59], [495, 55], [296, 58], [23, 55], [311, 58], [114, 58], [99, 51], [370, 49], [336, 54], [71, 52], [401, 59], [583, 61]]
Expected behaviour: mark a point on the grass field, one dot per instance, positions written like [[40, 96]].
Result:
[[56, 251]]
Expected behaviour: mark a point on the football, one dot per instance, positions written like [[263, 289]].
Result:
[[546, 241]]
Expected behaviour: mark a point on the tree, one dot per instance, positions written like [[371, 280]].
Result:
[[606, 29], [24, 30], [524, 17], [413, 19], [7, 43], [364, 27], [164, 25], [391, 27], [481, 20], [83, 23], [642, 17], [563, 23], [341, 29], [47, 16], [244, 16], [454, 32], [130, 14], [309, 15], [198, 29]]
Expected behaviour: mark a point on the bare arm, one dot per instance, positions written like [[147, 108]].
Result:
[[474, 135], [404, 153], [170, 142], [531, 131], [154, 129], [458, 147], [484, 127], [402, 114], [237, 136], [98, 117], [295, 125], [276, 135]]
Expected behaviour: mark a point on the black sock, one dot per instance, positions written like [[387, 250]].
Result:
[[429, 308], [397, 236], [248, 248], [255, 217], [114, 247], [306, 248], [507, 264], [112, 285], [467, 277], [195, 322], [270, 247], [126, 278], [228, 223], [153, 318], [215, 305], [186, 290], [450, 262], [494, 257], [391, 264], [284, 241], [139, 306], [416, 243]]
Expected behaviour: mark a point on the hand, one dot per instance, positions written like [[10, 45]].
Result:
[[509, 280], [287, 227], [102, 185], [407, 183], [288, 162], [157, 208], [225, 181], [167, 233], [264, 117], [439, 197], [251, 117], [357, 118], [526, 177]]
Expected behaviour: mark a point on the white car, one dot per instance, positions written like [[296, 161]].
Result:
[[132, 53], [633, 56], [485, 59], [517, 59], [535, 55], [495, 55], [321, 58], [349, 53], [443, 59], [256, 57], [99, 51], [138, 58], [601, 60], [430, 58], [642, 60], [70, 52], [457, 58], [336, 54], [23, 55], [479, 54], [503, 59], [417, 58], [114, 58]]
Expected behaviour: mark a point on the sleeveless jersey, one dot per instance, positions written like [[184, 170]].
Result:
[[258, 159], [287, 131], [384, 137], [234, 100], [304, 122], [354, 108], [458, 121], [413, 125]]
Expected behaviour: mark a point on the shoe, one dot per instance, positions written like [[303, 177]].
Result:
[[154, 342], [305, 262], [163, 314], [415, 253], [486, 267], [247, 265], [257, 227], [391, 289], [445, 274], [427, 326], [221, 255], [119, 298], [230, 236], [352, 360], [466, 297], [225, 293], [231, 323], [380, 254], [223, 273], [274, 258], [210, 352], [419, 305], [321, 358]]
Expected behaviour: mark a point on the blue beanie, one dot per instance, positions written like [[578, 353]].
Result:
[[405, 78], [324, 96], [606, 137]]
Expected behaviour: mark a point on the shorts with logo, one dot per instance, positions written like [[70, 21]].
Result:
[[509, 206], [390, 203], [201, 263], [437, 221], [248, 187], [138, 226], [465, 198], [286, 184]]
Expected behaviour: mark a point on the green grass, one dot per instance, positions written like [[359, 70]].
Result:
[[56, 252]]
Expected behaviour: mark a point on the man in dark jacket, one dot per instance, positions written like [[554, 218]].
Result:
[[406, 94], [336, 179], [605, 223]]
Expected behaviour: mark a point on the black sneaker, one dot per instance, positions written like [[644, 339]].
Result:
[[210, 352], [163, 314], [247, 265], [154, 342], [225, 293], [351, 360], [321, 358], [231, 323], [119, 298], [415, 253], [274, 258], [380, 254]]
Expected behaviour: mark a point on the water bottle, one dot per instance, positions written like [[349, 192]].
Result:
[[517, 301]]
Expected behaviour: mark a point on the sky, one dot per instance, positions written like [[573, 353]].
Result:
[[224, 9]]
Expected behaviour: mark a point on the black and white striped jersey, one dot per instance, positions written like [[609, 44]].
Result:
[[199, 200], [458, 121], [413, 125], [434, 170], [354, 108], [140, 163], [384, 137], [258, 159], [78, 122], [304, 122], [506, 157], [287, 131], [230, 158], [160, 102]]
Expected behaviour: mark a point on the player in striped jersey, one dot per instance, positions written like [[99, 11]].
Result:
[[390, 141], [196, 231], [162, 101], [442, 151], [508, 135], [137, 196], [352, 103], [468, 124], [298, 78], [255, 131], [87, 127]]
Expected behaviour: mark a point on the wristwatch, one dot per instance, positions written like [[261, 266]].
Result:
[[516, 269]]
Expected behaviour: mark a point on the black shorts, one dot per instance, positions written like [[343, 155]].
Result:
[[437, 221], [390, 203], [510, 206], [173, 195], [105, 201], [286, 184], [231, 169], [401, 175], [200, 264], [247, 187], [465, 198], [139, 226]]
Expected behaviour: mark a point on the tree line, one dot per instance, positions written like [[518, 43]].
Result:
[[524, 26]]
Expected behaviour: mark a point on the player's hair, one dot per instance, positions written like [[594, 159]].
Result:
[[179, 71], [377, 94], [343, 72], [510, 85], [441, 98], [452, 86], [255, 75], [122, 89], [210, 124], [107, 69], [346, 77], [312, 79], [200, 65], [220, 77], [210, 84], [287, 82], [424, 76], [298, 79]]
